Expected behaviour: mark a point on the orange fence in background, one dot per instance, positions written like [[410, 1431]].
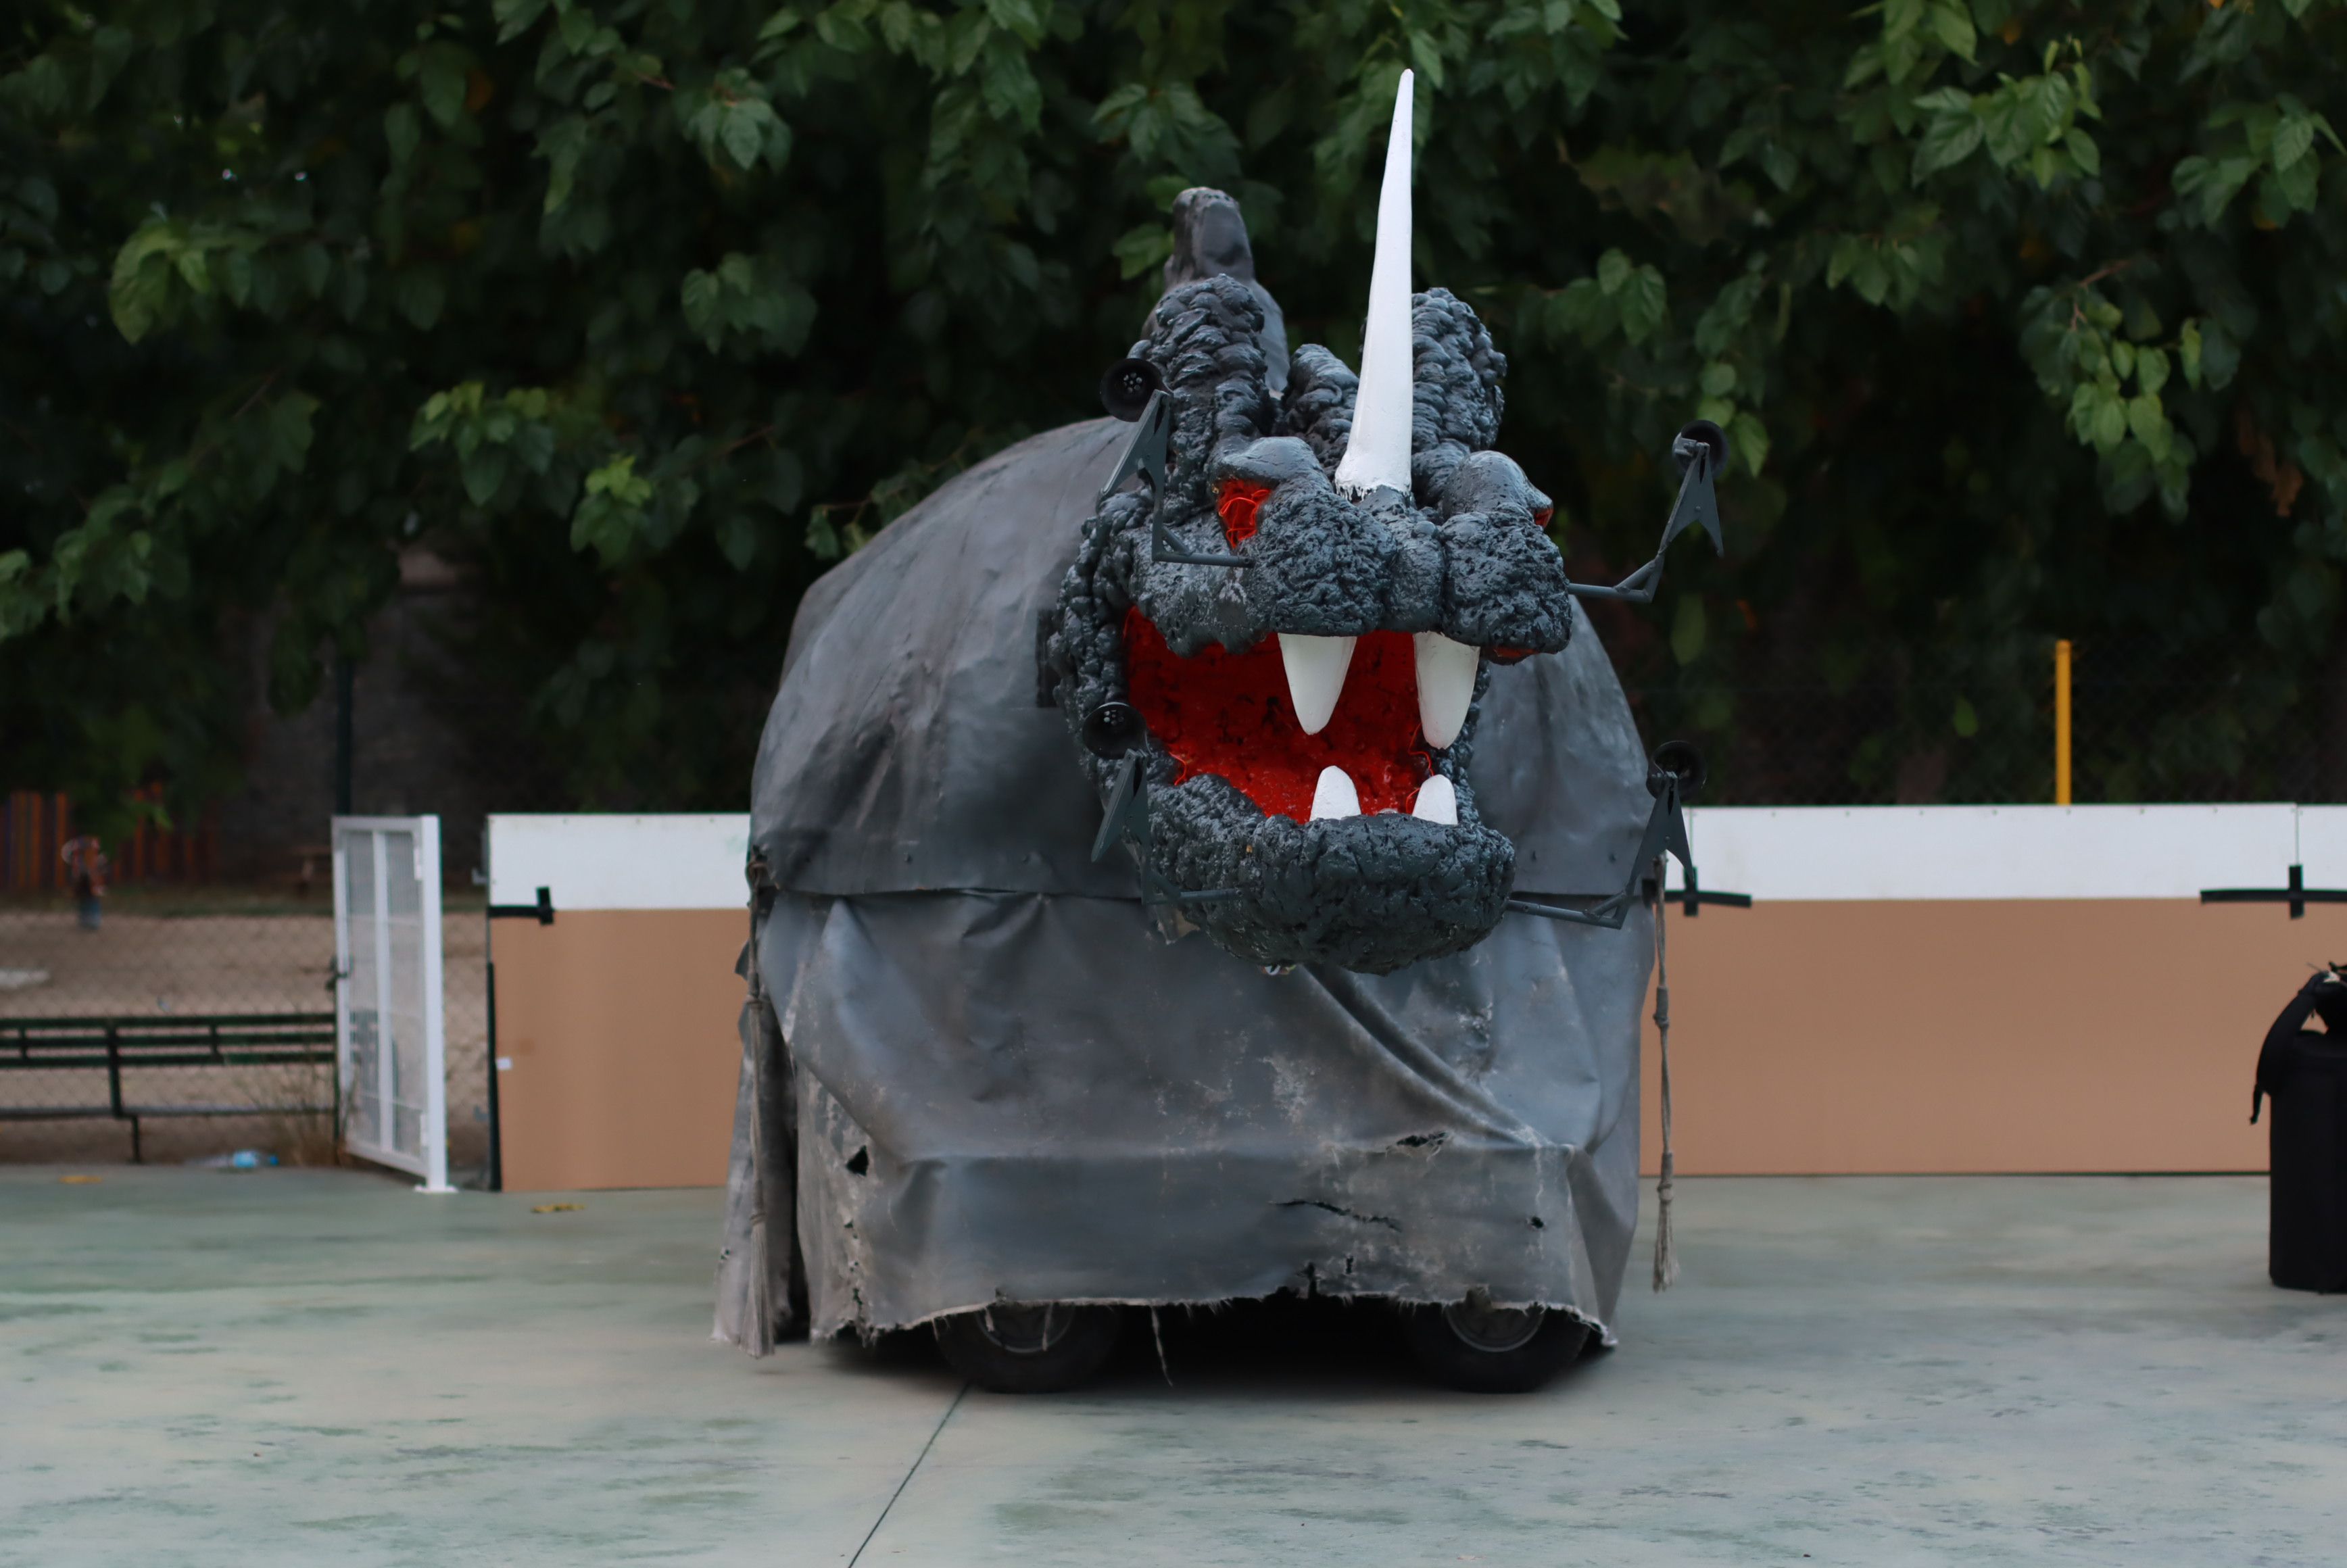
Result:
[[35, 828]]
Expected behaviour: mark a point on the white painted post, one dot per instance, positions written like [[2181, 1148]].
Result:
[[436, 1038], [346, 1086]]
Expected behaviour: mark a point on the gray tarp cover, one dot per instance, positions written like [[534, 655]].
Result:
[[998, 1083]]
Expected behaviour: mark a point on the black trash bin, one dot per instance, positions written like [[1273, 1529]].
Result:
[[2304, 1074]]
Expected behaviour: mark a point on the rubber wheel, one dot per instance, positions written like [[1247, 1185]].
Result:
[[1486, 1349], [1028, 1347]]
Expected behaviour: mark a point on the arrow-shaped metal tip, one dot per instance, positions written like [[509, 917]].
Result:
[[1697, 504], [1126, 799]]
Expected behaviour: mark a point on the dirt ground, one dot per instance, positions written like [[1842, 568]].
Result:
[[156, 954]]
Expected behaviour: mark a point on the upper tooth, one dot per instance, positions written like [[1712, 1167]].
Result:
[[1335, 795], [1316, 676], [1446, 685], [1437, 802]]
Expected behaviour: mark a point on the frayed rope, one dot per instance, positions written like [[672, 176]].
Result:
[[1667, 1262], [1155, 1333]]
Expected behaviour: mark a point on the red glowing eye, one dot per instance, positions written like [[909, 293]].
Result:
[[1541, 518], [1238, 506]]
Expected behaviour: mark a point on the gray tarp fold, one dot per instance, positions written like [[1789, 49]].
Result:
[[999, 1084]]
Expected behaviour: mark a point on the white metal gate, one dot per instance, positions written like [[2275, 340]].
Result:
[[388, 1025]]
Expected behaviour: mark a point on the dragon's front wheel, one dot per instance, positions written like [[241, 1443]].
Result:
[[1486, 1349], [1028, 1347]]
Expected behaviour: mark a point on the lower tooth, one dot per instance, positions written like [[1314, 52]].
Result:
[[1437, 802], [1335, 795]]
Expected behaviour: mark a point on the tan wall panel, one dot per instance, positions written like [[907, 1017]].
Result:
[[1945, 1035], [620, 1028], [1993, 1035]]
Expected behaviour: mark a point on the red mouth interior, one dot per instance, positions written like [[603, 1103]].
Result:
[[1228, 714]]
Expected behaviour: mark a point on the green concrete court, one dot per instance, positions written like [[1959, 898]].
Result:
[[298, 1367]]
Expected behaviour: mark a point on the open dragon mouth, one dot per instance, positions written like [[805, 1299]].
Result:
[[1373, 700]]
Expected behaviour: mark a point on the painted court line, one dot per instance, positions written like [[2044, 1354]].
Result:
[[958, 1396]]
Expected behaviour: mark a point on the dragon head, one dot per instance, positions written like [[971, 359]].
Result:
[[1271, 651]]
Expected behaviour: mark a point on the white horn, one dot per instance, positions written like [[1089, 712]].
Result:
[[1378, 454]]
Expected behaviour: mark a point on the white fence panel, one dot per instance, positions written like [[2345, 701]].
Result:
[[389, 1026]]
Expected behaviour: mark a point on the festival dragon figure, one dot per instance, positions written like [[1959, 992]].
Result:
[[1334, 708]]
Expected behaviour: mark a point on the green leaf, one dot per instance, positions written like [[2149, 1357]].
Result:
[[290, 432], [1718, 379], [1582, 309], [1613, 269], [1951, 23], [2110, 420], [514, 17], [1729, 313], [1948, 140], [1642, 304], [419, 293], [2211, 183], [2294, 138], [401, 130], [1965, 720], [141, 289], [440, 79], [2084, 153], [2296, 186], [742, 133], [610, 518], [483, 473], [702, 299], [1143, 247], [737, 540], [2148, 422], [562, 144], [2219, 355], [1748, 439], [23, 607]]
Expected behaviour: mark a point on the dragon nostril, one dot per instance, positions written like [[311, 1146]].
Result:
[[1238, 506], [1541, 518], [1508, 655]]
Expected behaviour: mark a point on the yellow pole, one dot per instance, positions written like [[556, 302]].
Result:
[[2062, 721]]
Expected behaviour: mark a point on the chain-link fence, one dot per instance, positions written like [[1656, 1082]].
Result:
[[2141, 731], [189, 1022]]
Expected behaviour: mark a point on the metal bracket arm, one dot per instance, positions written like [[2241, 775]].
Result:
[[1665, 834], [542, 911], [1697, 505]]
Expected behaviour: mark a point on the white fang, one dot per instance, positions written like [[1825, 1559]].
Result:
[[1446, 685], [1376, 456], [1316, 676], [1335, 794], [1437, 802]]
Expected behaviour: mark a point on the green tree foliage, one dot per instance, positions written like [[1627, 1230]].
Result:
[[2023, 318]]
